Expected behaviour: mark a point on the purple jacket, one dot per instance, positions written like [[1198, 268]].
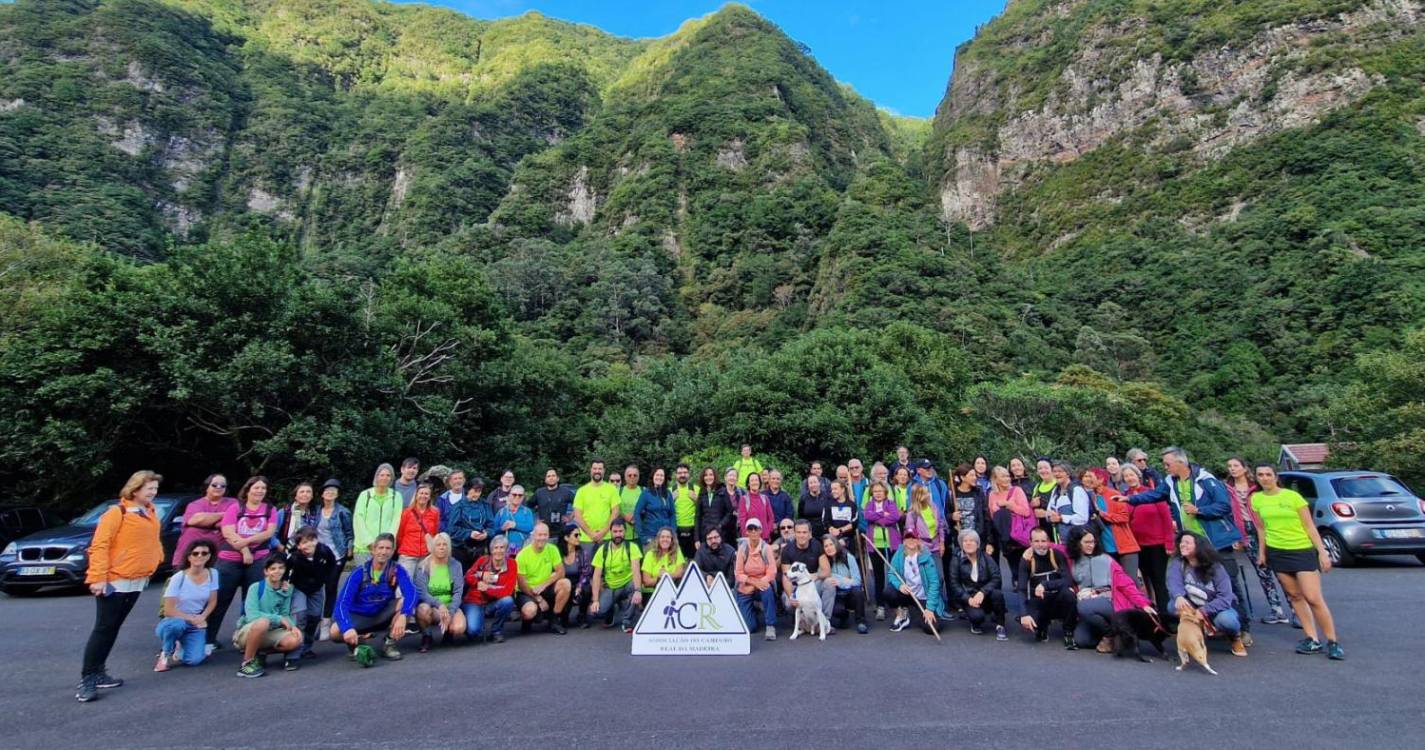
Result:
[[914, 520], [883, 516]]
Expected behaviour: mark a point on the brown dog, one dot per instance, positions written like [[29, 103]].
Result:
[[1191, 641]]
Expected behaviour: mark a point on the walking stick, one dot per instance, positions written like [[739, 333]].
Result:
[[928, 619], [866, 573]]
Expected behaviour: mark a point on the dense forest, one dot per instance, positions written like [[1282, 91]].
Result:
[[301, 237]]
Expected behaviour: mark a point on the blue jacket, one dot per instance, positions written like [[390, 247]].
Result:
[[360, 595], [653, 511], [1217, 592], [524, 526], [782, 506], [939, 491], [929, 578], [461, 519], [340, 525], [1214, 506]]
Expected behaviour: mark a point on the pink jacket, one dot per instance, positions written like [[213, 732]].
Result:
[[1126, 594], [883, 516], [1241, 502], [755, 505]]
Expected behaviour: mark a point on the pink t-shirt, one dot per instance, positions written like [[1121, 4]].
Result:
[[247, 523], [194, 533]]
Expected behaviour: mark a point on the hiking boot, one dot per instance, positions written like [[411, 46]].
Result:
[[1308, 646], [1070, 644], [1000, 634], [1334, 652], [88, 690], [1238, 647], [389, 650], [771, 634], [162, 664], [104, 681], [880, 613], [556, 628], [251, 668]]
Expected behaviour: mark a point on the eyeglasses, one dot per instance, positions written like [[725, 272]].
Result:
[[200, 553], [516, 494], [785, 528]]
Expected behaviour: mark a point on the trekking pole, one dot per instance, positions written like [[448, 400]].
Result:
[[928, 619]]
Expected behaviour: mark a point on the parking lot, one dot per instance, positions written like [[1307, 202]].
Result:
[[882, 690]]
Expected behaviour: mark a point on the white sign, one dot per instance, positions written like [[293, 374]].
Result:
[[690, 619]]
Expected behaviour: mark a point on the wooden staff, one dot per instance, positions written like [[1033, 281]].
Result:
[[928, 618]]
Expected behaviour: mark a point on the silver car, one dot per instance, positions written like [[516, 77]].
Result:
[[1362, 513]]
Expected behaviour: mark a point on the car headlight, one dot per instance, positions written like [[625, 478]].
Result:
[[11, 550], [78, 553]]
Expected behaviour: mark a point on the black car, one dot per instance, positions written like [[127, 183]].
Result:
[[17, 521], [60, 556]]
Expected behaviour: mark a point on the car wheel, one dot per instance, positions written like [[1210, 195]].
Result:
[[1336, 548]]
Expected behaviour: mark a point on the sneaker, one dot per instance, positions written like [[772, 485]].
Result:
[[88, 690], [1238, 647], [324, 630], [1041, 636], [976, 630], [1070, 644], [1308, 646], [771, 634], [901, 623], [862, 629], [209, 649], [291, 665], [585, 624], [251, 668], [880, 613], [1105, 645], [390, 651], [1277, 617], [308, 655], [104, 681], [628, 630], [497, 637], [1247, 640], [1334, 652], [1000, 635], [426, 643], [162, 664], [557, 628]]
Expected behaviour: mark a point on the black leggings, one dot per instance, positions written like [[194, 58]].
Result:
[[687, 541], [852, 602], [1060, 605], [109, 615], [878, 573], [992, 609], [1153, 564], [332, 584]]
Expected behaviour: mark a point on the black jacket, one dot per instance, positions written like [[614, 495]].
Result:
[[963, 585], [716, 511], [1054, 574], [723, 561], [811, 508], [309, 576]]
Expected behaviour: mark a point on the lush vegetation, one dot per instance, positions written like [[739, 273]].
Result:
[[301, 237]]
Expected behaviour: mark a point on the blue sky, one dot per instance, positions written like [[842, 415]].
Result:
[[898, 54]]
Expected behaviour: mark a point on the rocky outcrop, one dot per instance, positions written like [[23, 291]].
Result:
[[582, 201], [1220, 99]]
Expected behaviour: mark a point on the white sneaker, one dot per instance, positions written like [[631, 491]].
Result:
[[880, 613], [208, 649], [771, 633], [902, 621], [324, 630]]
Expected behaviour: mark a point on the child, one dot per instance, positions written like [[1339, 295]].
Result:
[[266, 623], [309, 569]]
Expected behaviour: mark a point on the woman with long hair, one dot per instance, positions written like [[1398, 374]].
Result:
[[1116, 535], [1007, 502], [654, 509], [248, 526], [1201, 588], [297, 514], [846, 576], [1103, 589], [1240, 487], [440, 589], [419, 525], [188, 601], [1019, 476], [663, 556], [1291, 545]]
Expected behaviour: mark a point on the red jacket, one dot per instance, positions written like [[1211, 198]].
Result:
[[415, 527], [503, 586], [1152, 525]]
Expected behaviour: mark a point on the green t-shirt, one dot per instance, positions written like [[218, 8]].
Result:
[[902, 497], [439, 583], [617, 564], [1185, 496], [597, 504], [929, 515], [628, 500], [654, 565], [685, 505], [745, 467], [1280, 520], [538, 567]]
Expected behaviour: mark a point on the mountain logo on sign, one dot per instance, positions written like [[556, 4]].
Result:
[[691, 607]]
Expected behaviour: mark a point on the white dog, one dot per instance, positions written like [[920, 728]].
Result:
[[809, 617]]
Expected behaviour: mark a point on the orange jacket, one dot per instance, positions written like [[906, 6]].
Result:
[[125, 544]]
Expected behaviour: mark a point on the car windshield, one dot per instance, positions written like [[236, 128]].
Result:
[[1368, 486], [91, 519]]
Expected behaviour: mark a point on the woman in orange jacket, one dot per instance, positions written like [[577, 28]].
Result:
[[124, 552], [1117, 538]]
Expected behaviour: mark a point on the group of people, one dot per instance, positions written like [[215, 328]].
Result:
[[1106, 551]]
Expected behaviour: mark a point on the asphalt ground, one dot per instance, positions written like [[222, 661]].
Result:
[[882, 690]]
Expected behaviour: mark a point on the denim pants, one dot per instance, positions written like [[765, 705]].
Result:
[[307, 615], [769, 607], [497, 611], [622, 598], [172, 631]]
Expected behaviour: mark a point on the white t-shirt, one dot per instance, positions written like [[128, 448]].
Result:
[[911, 568], [192, 597]]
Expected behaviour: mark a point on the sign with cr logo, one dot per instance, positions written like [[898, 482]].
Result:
[[691, 618]]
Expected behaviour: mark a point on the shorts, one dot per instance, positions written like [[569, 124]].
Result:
[[1293, 560], [270, 639], [547, 595], [377, 623]]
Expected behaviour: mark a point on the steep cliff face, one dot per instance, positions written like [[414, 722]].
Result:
[[1049, 82]]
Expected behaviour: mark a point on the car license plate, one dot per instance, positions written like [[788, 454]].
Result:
[[37, 570], [1403, 533]]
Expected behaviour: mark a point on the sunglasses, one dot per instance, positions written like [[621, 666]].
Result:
[[785, 528], [219, 485], [516, 494], [200, 553]]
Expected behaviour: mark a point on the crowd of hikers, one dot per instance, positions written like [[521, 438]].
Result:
[[1114, 553]]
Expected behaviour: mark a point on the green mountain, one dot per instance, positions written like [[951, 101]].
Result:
[[304, 236]]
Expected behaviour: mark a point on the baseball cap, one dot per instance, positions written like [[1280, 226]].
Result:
[[924, 463], [331, 483], [753, 522]]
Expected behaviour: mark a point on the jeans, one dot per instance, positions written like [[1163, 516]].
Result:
[[1229, 561], [1228, 623], [307, 614], [232, 576], [109, 614], [498, 611], [769, 607], [1095, 616], [621, 597], [172, 631]]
